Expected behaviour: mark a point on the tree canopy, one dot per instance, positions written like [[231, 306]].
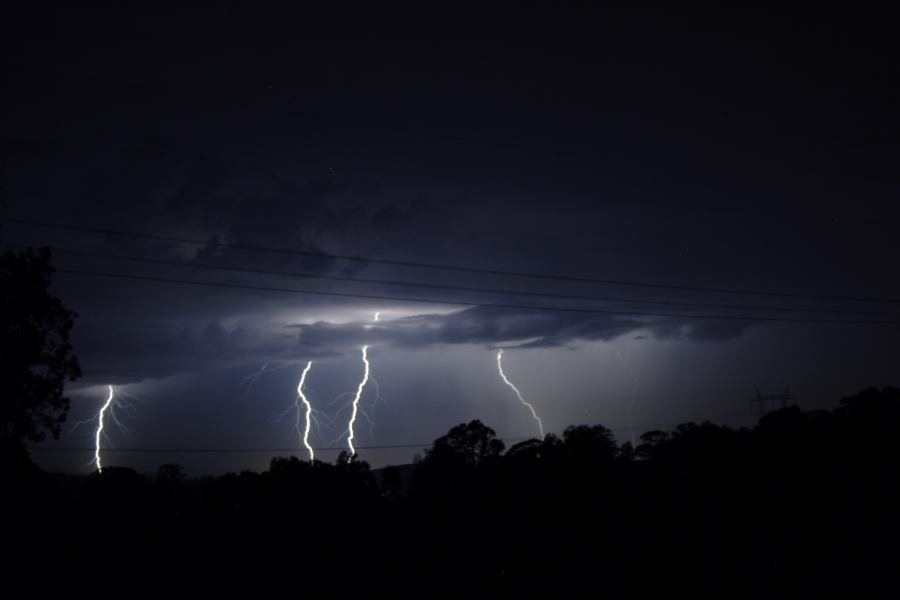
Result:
[[36, 357]]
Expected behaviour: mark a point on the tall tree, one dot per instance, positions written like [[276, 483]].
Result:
[[36, 357]]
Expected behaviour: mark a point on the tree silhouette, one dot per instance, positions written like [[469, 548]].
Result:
[[813, 492], [457, 462], [170, 475], [391, 482], [36, 358], [472, 444], [590, 443]]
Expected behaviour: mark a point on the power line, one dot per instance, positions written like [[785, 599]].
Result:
[[470, 304], [308, 275], [220, 450], [152, 450], [442, 267]]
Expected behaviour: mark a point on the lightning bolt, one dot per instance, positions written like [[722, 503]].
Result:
[[305, 415], [301, 397], [98, 436], [250, 380], [518, 393], [375, 403], [359, 391]]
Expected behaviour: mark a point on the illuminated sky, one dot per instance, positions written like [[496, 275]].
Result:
[[700, 150]]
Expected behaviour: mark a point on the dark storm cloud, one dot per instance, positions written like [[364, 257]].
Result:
[[715, 329], [274, 212], [396, 218], [126, 352], [154, 185], [492, 327], [699, 330]]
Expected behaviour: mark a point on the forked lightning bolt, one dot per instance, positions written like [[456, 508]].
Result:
[[305, 416], [518, 393], [359, 391], [301, 397], [98, 436]]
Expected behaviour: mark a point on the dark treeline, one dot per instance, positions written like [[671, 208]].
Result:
[[804, 503]]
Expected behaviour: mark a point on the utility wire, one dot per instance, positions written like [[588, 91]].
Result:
[[218, 450], [374, 447], [469, 304], [308, 275], [442, 267]]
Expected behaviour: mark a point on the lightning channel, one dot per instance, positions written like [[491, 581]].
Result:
[[250, 380], [301, 397], [98, 436], [359, 391], [518, 393]]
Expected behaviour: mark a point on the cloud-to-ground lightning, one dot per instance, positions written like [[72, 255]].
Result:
[[518, 393], [355, 409], [301, 397], [355, 405], [101, 421], [305, 415], [98, 435]]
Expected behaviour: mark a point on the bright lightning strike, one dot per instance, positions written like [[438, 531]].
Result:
[[359, 391], [98, 436], [305, 415], [355, 410], [304, 435], [518, 393]]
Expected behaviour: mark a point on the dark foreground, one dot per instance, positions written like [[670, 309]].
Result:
[[804, 504]]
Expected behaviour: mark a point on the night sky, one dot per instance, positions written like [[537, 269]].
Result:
[[687, 173]]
